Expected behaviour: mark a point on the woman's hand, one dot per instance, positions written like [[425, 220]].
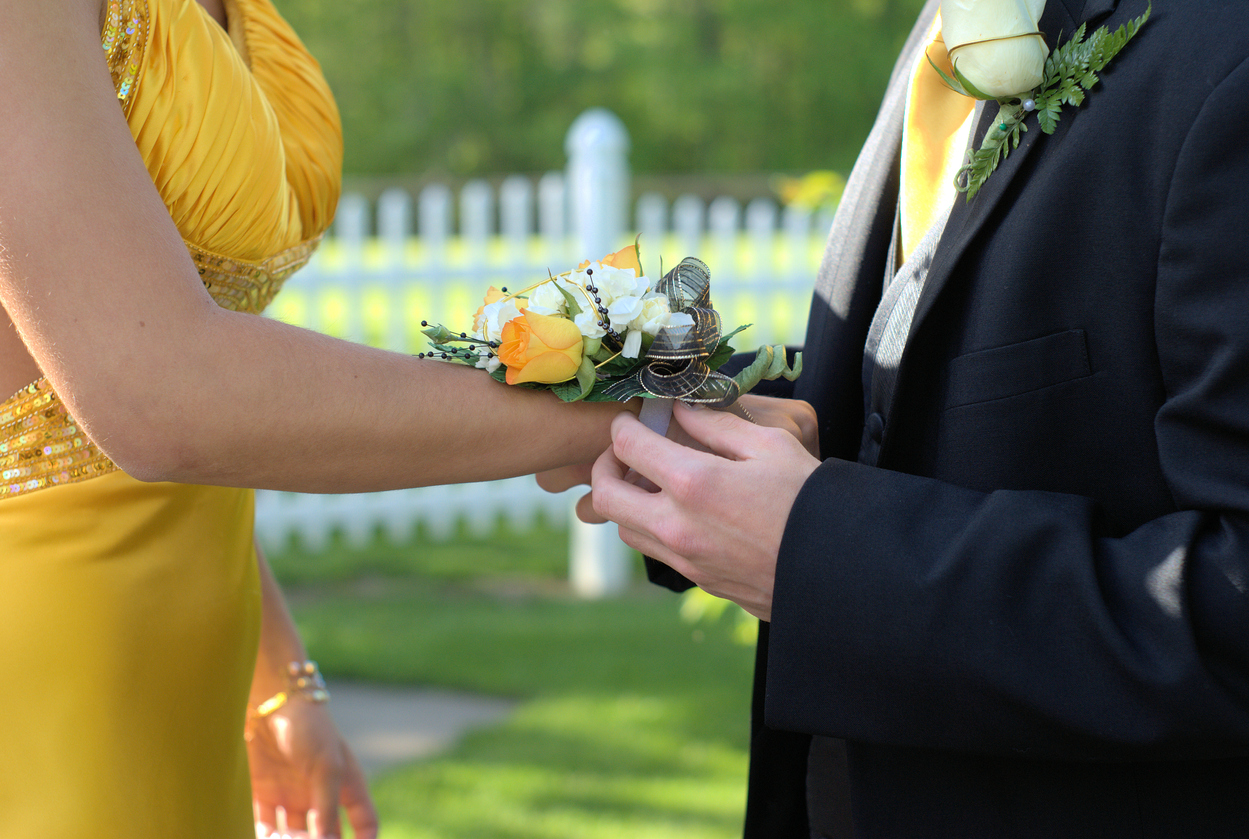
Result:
[[301, 769], [301, 766]]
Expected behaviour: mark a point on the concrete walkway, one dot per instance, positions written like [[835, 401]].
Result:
[[387, 725]]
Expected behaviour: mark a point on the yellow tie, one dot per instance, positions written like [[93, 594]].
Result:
[[934, 138]]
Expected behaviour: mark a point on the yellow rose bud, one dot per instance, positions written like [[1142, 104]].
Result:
[[626, 258], [540, 348], [993, 44]]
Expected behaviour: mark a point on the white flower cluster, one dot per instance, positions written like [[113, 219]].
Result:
[[488, 326], [632, 311]]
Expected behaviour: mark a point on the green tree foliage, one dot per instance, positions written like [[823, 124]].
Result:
[[470, 87]]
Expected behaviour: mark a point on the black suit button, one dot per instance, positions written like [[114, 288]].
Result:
[[876, 427]]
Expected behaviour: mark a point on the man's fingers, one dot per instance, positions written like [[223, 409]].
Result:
[[658, 460], [296, 819], [792, 415], [648, 545], [617, 498], [724, 433]]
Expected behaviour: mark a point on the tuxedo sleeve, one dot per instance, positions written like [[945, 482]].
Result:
[[908, 611]]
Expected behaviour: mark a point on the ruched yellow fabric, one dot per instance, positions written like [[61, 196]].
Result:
[[248, 160], [129, 612]]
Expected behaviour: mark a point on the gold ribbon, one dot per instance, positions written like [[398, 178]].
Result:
[[676, 363]]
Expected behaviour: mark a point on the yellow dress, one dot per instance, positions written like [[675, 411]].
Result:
[[129, 612]]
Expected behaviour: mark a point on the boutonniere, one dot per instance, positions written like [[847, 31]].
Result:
[[998, 54]]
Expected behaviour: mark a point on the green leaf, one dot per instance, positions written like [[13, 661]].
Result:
[[722, 354], [597, 395], [587, 376], [567, 391], [951, 83], [1047, 116], [574, 308], [620, 366], [969, 88], [770, 363]]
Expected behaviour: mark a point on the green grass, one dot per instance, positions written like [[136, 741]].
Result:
[[632, 722], [538, 554]]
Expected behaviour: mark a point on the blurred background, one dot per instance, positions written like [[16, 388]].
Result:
[[488, 141], [723, 91]]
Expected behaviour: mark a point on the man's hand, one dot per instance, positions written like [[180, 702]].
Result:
[[716, 517], [792, 415]]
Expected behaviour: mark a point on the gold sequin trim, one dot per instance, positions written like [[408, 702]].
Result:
[[124, 39], [249, 286], [42, 446], [40, 443]]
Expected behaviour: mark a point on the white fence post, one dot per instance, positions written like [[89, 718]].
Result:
[[394, 226], [553, 218], [598, 191], [598, 181], [352, 223]]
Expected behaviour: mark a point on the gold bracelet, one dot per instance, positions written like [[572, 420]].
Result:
[[305, 680]]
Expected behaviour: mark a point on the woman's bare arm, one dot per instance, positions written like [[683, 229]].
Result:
[[107, 302]]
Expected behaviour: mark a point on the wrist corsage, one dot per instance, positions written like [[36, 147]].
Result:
[[603, 333]]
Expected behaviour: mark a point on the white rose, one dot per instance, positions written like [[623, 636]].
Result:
[[655, 314], [612, 283], [680, 322], [488, 364], [623, 310], [547, 300], [632, 344], [587, 322], [494, 315], [992, 45]]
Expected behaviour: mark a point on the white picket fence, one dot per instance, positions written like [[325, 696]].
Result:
[[385, 268]]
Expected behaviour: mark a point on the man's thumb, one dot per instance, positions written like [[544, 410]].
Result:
[[723, 433]]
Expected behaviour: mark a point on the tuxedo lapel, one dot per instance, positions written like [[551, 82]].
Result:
[[1092, 10], [848, 286]]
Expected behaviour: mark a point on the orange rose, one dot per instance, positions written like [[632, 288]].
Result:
[[626, 258], [540, 348]]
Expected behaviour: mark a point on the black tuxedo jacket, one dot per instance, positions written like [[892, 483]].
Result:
[[1031, 619]]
